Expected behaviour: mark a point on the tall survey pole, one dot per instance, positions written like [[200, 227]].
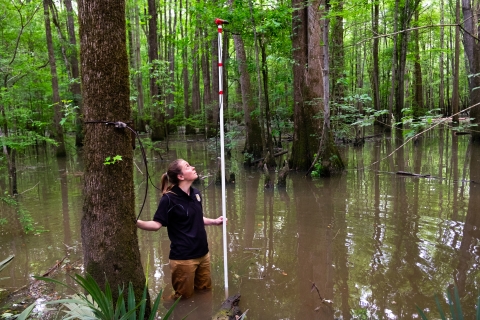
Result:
[[220, 23]]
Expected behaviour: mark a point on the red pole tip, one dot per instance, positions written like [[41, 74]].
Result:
[[220, 21]]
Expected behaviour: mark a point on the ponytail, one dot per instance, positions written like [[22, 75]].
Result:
[[170, 178]]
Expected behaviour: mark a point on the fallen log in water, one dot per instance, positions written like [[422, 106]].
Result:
[[404, 173], [229, 310], [275, 155]]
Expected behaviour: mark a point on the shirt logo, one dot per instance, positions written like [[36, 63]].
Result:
[[198, 197]]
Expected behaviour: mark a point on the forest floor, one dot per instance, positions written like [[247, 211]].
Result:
[[38, 292]]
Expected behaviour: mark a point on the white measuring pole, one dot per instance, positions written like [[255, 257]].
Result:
[[219, 23]]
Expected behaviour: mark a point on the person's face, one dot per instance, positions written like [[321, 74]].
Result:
[[188, 172]]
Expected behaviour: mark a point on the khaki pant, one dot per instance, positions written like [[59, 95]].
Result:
[[190, 275]]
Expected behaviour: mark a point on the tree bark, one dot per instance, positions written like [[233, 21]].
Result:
[[456, 67], [441, 88], [109, 234], [75, 87], [268, 118], [196, 99], [207, 83], [158, 121], [136, 65], [472, 51], [253, 138], [213, 111], [376, 68], [185, 74], [169, 97], [406, 10], [337, 58], [418, 104], [307, 83], [259, 86], [57, 103], [327, 151]]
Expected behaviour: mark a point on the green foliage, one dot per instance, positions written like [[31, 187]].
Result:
[[8, 199], [24, 216], [69, 112], [26, 220], [247, 157], [454, 306], [369, 117], [413, 126], [96, 303], [26, 313], [464, 125], [195, 121], [346, 117], [318, 169], [231, 140], [112, 160], [360, 314]]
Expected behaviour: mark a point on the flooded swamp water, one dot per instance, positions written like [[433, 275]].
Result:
[[374, 242]]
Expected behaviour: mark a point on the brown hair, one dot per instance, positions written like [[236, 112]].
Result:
[[170, 178]]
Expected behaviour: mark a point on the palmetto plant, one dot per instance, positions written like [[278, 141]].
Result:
[[4, 263], [455, 307], [98, 304]]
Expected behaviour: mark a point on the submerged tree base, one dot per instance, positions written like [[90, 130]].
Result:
[[328, 160]]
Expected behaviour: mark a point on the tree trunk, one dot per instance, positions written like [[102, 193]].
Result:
[[376, 68], [307, 83], [337, 58], [207, 84], [456, 67], [136, 64], [406, 10], [185, 76], [213, 111], [109, 234], [391, 98], [259, 86], [418, 104], [75, 87], [268, 130], [327, 151], [253, 138], [472, 51], [441, 88], [57, 104], [169, 97], [196, 105], [158, 121]]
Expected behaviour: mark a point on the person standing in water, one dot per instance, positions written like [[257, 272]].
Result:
[[180, 210]]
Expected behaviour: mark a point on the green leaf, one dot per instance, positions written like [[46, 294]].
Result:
[[26, 313], [439, 307], [4, 263]]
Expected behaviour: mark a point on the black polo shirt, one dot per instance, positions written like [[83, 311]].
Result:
[[182, 214]]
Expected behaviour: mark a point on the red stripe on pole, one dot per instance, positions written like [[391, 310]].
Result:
[[220, 64], [220, 92], [219, 30]]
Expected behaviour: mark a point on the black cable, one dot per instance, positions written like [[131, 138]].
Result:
[[122, 125]]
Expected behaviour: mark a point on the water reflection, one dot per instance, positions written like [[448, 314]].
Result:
[[372, 241]]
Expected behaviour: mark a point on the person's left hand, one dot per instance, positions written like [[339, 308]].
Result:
[[219, 220]]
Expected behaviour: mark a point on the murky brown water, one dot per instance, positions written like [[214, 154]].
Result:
[[372, 241]]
